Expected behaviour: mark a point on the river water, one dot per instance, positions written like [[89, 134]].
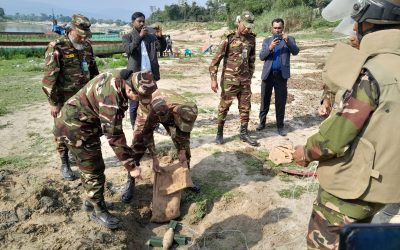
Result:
[[24, 27]]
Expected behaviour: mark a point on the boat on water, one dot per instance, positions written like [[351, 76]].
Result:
[[35, 43]]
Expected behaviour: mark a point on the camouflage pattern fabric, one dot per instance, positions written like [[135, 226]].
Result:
[[181, 140], [331, 213], [342, 127], [243, 94], [96, 109], [63, 73], [238, 53]]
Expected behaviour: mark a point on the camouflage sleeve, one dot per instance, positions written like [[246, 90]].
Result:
[[51, 72], [252, 59], [94, 71], [111, 116], [181, 141], [219, 55], [341, 128], [148, 132]]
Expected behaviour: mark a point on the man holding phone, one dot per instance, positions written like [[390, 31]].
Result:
[[275, 53]]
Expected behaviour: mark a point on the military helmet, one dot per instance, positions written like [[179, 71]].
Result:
[[372, 11], [82, 25], [184, 116]]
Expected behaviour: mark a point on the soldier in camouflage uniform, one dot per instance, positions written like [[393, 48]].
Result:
[[143, 92], [355, 145], [69, 65], [97, 109], [177, 115], [237, 51]]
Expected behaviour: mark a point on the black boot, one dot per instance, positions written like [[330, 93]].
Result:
[[127, 193], [88, 206], [71, 158], [66, 171], [103, 217], [220, 135], [261, 126], [244, 135]]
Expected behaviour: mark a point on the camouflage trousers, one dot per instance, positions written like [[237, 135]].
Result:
[[89, 159], [60, 145], [331, 213], [228, 93], [138, 146]]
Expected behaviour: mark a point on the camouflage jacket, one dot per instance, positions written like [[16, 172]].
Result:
[[341, 128], [66, 69], [97, 109], [180, 139], [238, 54]]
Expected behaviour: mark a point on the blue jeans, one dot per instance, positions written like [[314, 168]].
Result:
[[133, 106]]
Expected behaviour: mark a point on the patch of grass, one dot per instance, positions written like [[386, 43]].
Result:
[[14, 162], [211, 191], [173, 75], [208, 110], [253, 166], [218, 176], [20, 83], [199, 212], [293, 192], [204, 131], [116, 61], [285, 178]]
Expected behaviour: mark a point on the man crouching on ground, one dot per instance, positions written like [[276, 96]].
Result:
[[96, 110]]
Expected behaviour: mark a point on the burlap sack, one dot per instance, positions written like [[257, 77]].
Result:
[[281, 154], [167, 192]]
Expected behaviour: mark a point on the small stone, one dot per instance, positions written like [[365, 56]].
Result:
[[23, 213], [7, 219], [46, 202]]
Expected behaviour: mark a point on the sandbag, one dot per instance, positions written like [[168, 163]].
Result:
[[167, 192], [281, 154]]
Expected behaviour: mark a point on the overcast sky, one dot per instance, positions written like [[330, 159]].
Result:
[[114, 9]]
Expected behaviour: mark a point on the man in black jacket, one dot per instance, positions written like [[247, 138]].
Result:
[[133, 42]]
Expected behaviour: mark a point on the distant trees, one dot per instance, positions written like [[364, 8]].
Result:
[[223, 10], [60, 18]]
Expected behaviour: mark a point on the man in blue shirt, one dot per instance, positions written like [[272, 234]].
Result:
[[275, 53]]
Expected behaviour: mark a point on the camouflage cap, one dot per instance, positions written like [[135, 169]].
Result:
[[81, 24], [185, 115], [248, 19], [142, 83]]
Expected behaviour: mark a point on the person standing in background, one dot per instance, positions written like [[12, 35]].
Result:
[[275, 53]]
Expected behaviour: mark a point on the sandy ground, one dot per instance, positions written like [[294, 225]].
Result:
[[38, 210]]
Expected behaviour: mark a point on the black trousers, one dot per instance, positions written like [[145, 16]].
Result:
[[279, 84]]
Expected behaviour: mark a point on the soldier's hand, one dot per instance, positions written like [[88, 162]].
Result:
[[285, 37], [182, 156], [325, 109], [214, 86], [55, 110], [299, 156], [156, 165], [136, 173]]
